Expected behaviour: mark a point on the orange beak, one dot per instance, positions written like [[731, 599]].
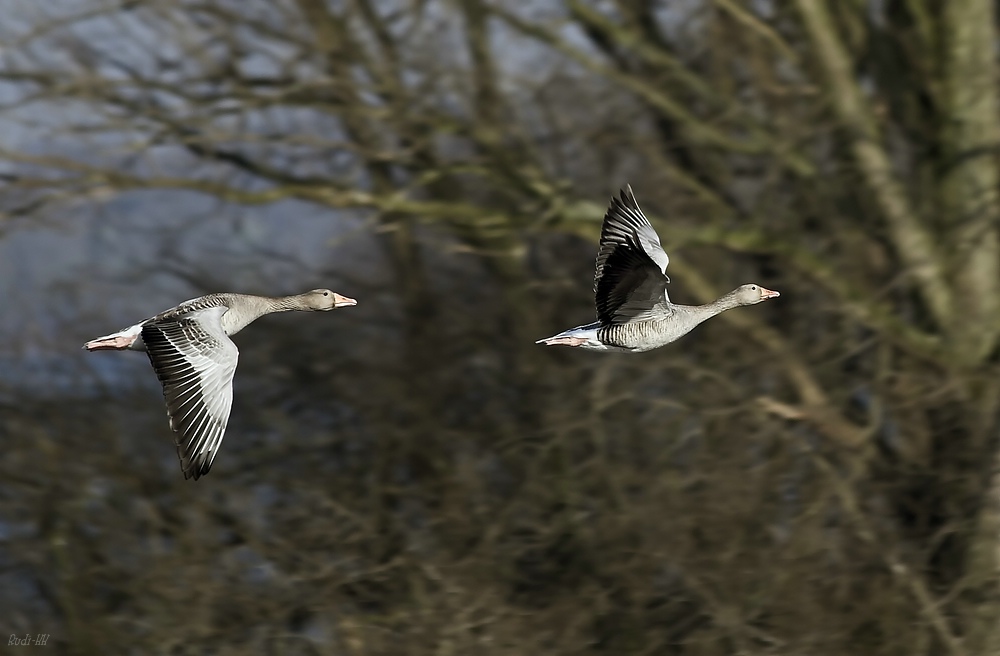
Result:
[[768, 293], [343, 301]]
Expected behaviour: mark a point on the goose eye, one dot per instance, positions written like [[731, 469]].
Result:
[[326, 293], [752, 288]]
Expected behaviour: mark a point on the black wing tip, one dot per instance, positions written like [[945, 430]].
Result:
[[627, 197], [195, 470], [623, 206], [194, 465]]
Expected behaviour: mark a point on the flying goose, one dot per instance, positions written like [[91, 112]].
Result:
[[634, 313], [192, 355]]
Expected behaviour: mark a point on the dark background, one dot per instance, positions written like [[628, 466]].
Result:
[[815, 475]]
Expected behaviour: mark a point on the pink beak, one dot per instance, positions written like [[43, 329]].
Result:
[[343, 301], [768, 293]]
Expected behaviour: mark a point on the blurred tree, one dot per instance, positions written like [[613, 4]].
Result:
[[817, 478]]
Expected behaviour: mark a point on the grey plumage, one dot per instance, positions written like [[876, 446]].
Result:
[[194, 359], [634, 311]]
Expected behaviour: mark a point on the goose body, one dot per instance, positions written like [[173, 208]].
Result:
[[194, 359], [634, 311]]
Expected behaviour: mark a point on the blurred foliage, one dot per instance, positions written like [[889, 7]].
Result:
[[415, 476]]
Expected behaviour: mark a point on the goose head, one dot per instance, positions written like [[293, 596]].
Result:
[[752, 294], [322, 300]]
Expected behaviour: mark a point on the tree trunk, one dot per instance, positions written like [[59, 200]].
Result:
[[969, 190]]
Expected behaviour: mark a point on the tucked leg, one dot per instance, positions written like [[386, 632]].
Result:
[[115, 342], [565, 341]]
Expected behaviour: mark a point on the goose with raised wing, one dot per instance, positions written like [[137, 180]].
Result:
[[192, 355], [634, 312]]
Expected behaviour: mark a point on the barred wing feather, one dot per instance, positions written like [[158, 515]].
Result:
[[195, 361], [631, 279]]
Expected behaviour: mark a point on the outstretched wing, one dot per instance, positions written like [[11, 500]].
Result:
[[631, 277], [195, 361]]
